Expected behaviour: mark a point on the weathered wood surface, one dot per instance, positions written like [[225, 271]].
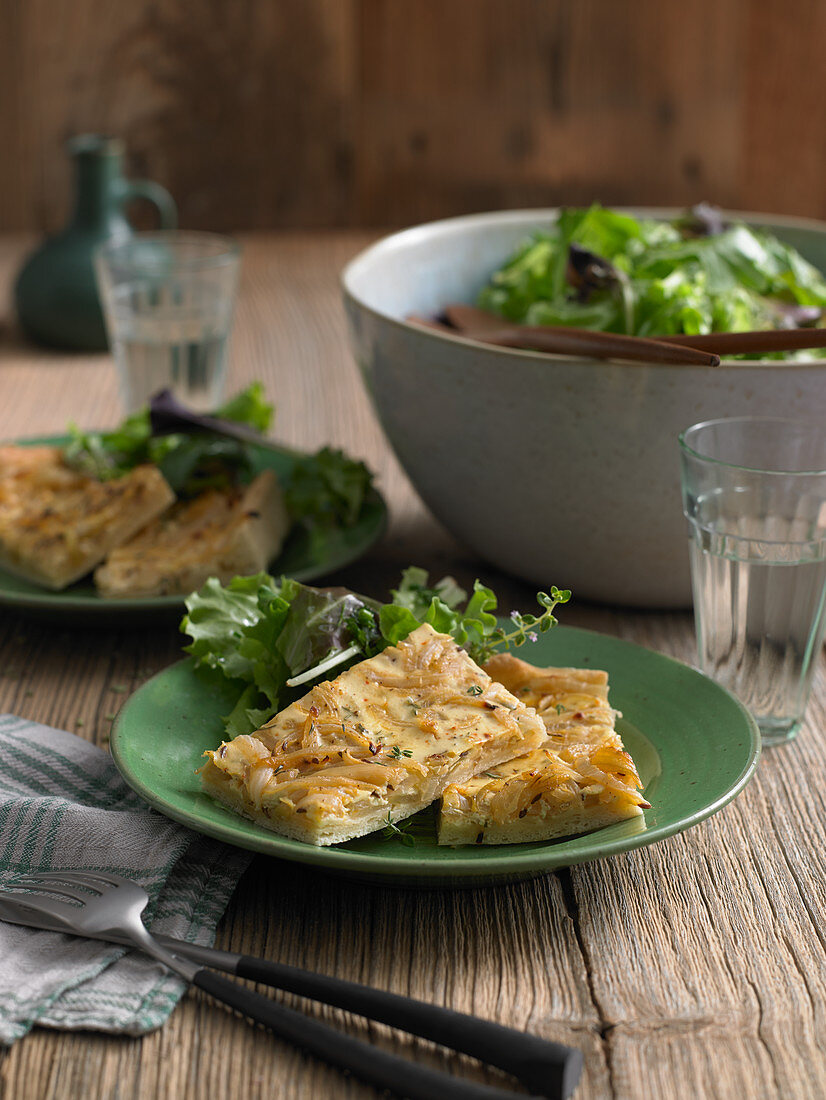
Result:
[[693, 968], [302, 113]]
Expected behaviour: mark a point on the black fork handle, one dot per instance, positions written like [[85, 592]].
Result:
[[549, 1069], [386, 1071]]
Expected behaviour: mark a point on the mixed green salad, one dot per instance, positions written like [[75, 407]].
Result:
[[606, 270], [324, 492], [272, 639]]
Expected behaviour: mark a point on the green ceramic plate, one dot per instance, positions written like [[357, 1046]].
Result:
[[299, 559], [694, 744]]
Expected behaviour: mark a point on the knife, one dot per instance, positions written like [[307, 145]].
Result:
[[545, 1067]]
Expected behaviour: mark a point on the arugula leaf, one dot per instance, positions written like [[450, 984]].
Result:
[[395, 623], [480, 622], [476, 627]]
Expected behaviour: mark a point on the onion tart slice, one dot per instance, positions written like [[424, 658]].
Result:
[[580, 779], [380, 742], [57, 524], [219, 533]]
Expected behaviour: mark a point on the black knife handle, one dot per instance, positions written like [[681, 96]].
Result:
[[386, 1071], [546, 1068]]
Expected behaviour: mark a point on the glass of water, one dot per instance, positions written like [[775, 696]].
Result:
[[168, 299], [754, 495]]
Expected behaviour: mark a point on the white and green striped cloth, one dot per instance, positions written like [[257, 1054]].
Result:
[[63, 805]]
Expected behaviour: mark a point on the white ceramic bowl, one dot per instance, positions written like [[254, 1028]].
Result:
[[557, 470]]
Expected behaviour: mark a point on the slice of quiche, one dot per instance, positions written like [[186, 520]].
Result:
[[219, 533], [56, 524], [373, 746], [572, 702], [580, 779]]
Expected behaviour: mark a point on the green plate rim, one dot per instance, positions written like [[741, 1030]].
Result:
[[505, 861], [374, 511]]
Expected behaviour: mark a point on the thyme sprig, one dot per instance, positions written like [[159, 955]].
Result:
[[401, 831], [527, 627]]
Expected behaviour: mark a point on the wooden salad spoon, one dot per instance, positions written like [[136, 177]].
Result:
[[576, 341], [478, 324], [745, 343]]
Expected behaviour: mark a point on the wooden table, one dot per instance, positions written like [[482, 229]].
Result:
[[692, 968]]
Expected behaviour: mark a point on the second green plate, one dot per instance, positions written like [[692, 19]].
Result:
[[298, 558]]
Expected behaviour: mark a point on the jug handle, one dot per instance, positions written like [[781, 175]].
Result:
[[157, 195]]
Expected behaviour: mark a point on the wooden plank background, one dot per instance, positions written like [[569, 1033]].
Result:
[[262, 114]]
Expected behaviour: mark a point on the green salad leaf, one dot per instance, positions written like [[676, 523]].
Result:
[[191, 461], [414, 593], [223, 620], [327, 486], [249, 407], [317, 623], [324, 492], [272, 639], [107, 455], [691, 275]]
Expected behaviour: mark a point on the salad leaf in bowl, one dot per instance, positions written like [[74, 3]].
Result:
[[695, 274]]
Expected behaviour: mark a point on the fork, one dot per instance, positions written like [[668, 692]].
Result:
[[106, 906]]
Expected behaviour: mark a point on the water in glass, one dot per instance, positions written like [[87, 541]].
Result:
[[760, 606]]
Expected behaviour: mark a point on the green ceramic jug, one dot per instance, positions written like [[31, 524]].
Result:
[[56, 295]]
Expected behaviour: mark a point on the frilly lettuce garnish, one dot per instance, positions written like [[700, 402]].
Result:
[[273, 639], [326, 491]]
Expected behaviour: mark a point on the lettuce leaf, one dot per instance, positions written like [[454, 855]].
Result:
[[327, 488], [248, 407], [324, 492], [232, 625], [317, 624], [260, 632], [413, 591], [193, 452]]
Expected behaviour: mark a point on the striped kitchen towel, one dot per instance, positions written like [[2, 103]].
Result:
[[64, 805]]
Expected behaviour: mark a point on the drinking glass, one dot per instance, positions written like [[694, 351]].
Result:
[[168, 300], [754, 495]]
